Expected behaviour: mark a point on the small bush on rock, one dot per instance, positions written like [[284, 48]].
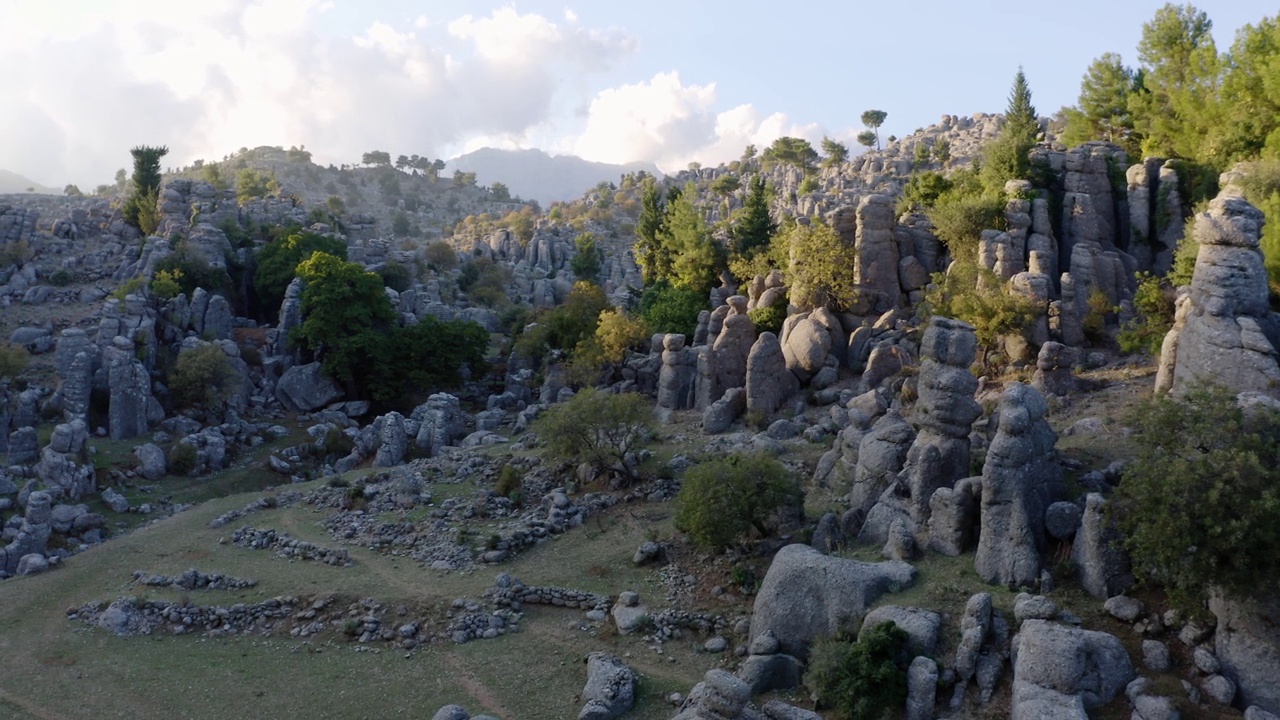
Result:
[[183, 458], [720, 502], [769, 319], [13, 360], [863, 679]]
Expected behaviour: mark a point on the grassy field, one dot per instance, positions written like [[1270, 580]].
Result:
[[54, 667]]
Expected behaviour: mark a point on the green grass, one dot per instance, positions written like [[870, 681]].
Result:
[[59, 668]]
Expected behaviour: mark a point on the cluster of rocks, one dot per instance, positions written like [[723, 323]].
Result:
[[192, 579], [131, 616], [286, 546], [269, 502], [469, 622], [509, 592]]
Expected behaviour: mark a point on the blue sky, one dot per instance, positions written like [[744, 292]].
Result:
[[662, 81]]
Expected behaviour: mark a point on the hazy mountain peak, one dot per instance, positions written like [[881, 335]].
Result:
[[537, 175]]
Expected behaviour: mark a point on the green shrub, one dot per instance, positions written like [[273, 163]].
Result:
[[278, 263], [923, 190], [1153, 306], [395, 275], [769, 319], [1097, 308], [165, 285], [720, 502], [959, 218], [183, 458], [585, 262], [597, 427], [565, 327], [1199, 507], [671, 308], [863, 679], [441, 256], [62, 278], [203, 377], [977, 296], [509, 481], [191, 270], [13, 360], [127, 288]]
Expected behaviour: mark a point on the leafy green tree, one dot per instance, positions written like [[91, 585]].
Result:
[[400, 226], [791, 151], [585, 262], [345, 312], [923, 190], [672, 309], [564, 327], [836, 152], [464, 179], [599, 428], [425, 357], [376, 158], [868, 138], [189, 267], [722, 501], [1249, 124], [959, 217], [976, 295], [146, 184], [278, 262], [395, 275], [653, 258], [1103, 112], [441, 256], [252, 185], [755, 227], [726, 184], [942, 151], [203, 377], [695, 258], [72, 191], [618, 332], [1199, 507], [500, 192], [822, 271], [873, 119], [1176, 109], [1153, 316], [862, 679]]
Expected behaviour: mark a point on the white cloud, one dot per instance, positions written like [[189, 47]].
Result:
[[672, 124], [207, 78]]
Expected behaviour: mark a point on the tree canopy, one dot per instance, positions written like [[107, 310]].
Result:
[[278, 262], [140, 209]]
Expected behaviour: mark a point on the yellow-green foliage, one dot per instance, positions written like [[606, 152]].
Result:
[[165, 285], [822, 270], [619, 332], [862, 679], [13, 360], [977, 296]]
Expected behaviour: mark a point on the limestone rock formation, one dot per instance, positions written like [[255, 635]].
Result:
[[1020, 477], [882, 454], [806, 595], [679, 371], [1102, 566], [1224, 331], [307, 388], [1247, 645], [1061, 671], [769, 382], [610, 690]]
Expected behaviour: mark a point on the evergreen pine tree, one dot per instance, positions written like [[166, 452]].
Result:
[[756, 227], [146, 181]]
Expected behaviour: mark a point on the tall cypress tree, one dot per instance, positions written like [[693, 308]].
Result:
[[146, 183], [756, 227], [1021, 114]]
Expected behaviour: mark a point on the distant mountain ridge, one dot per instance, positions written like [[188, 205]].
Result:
[[537, 175], [11, 182]]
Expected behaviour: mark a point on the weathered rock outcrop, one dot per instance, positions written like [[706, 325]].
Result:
[[679, 371], [1061, 671], [1247, 643], [306, 388], [1224, 331], [769, 382], [1019, 478], [807, 595], [610, 690]]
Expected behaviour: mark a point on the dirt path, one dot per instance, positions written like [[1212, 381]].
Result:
[[476, 689]]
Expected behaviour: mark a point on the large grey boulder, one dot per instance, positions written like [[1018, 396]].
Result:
[[307, 388], [732, 347], [769, 382], [922, 626], [1102, 566], [130, 399], [720, 695], [806, 595], [441, 423], [151, 461], [806, 347], [922, 688], [1247, 645], [24, 446], [610, 691], [393, 441], [1019, 477], [882, 453], [1060, 671]]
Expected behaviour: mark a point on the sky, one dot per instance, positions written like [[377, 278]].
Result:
[[663, 81]]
